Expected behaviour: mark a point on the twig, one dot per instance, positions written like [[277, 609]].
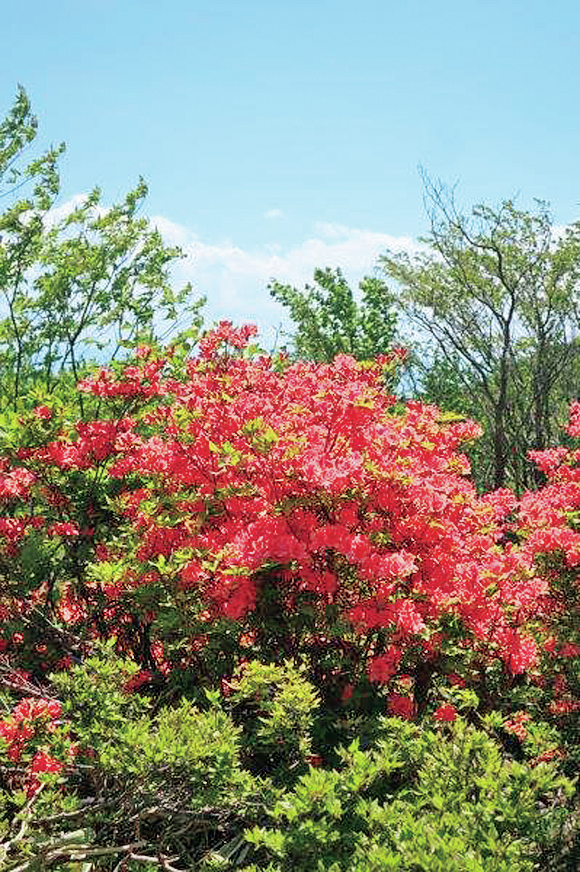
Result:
[[160, 861], [86, 805], [76, 852], [6, 846]]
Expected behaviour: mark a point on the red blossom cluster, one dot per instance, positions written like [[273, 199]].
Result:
[[445, 713], [25, 735], [516, 725], [400, 706], [236, 474], [138, 680], [548, 756]]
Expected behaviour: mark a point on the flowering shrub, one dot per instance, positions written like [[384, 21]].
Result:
[[231, 508], [239, 505], [445, 713], [30, 735], [138, 780]]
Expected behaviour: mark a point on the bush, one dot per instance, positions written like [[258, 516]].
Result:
[[122, 778], [275, 707], [279, 554], [437, 801], [170, 780]]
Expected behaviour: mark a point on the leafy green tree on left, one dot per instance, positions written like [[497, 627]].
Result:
[[97, 278]]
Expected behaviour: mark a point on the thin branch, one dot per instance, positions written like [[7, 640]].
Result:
[[66, 851], [159, 861]]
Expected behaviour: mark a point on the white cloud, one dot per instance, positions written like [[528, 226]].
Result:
[[274, 213], [57, 213], [235, 279], [172, 233], [559, 232]]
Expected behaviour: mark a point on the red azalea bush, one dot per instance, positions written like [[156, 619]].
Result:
[[29, 737], [231, 505], [282, 553]]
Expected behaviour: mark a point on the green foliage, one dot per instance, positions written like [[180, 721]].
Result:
[[330, 321], [21, 235], [419, 800], [167, 781], [95, 698], [188, 757], [178, 782], [275, 707]]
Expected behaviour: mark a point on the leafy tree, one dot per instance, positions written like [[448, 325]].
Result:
[[446, 382], [21, 234], [497, 291], [330, 321], [95, 278]]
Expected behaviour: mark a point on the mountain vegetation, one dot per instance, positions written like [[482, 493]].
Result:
[[271, 612]]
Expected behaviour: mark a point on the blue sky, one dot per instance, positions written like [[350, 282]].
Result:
[[281, 136]]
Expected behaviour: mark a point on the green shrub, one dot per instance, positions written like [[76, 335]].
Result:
[[275, 707], [420, 800], [164, 782], [223, 780]]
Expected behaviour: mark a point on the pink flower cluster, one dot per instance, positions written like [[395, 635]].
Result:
[[237, 476], [26, 734]]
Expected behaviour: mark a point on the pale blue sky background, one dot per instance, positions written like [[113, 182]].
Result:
[[280, 136]]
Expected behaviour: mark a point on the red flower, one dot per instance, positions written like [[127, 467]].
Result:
[[137, 680], [225, 687], [66, 528], [401, 706], [383, 668], [445, 713], [31, 708], [347, 692], [8, 730], [43, 762], [547, 756], [314, 760]]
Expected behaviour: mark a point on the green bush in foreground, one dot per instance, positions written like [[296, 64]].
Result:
[[223, 783], [275, 707], [420, 800]]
